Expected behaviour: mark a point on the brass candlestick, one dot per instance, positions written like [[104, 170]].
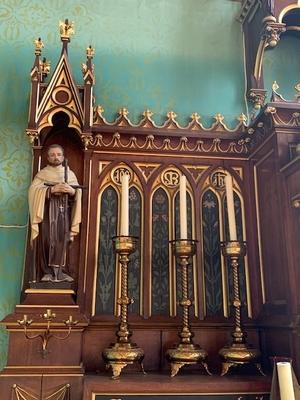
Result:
[[186, 352], [47, 334], [123, 352], [238, 352]]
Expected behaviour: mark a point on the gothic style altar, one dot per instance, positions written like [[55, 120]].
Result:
[[158, 311]]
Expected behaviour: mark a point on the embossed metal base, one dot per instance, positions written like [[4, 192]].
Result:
[[184, 354], [239, 354], [119, 355]]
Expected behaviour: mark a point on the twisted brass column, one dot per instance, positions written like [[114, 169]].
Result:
[[123, 352], [238, 352], [186, 352]]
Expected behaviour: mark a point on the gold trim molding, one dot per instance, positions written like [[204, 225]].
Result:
[[150, 142]]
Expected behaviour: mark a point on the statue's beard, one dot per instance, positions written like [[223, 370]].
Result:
[[55, 163]]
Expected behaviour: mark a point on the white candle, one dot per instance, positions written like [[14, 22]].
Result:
[[230, 207], [285, 381], [182, 208], [124, 228]]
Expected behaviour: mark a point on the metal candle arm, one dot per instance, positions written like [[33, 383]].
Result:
[[47, 334]]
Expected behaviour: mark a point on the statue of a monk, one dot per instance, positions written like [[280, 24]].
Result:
[[55, 216]]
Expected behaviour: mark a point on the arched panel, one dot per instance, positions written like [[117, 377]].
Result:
[[211, 253], [106, 262], [160, 252]]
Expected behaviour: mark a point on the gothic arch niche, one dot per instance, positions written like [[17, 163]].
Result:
[[68, 138], [59, 133], [107, 269], [217, 277]]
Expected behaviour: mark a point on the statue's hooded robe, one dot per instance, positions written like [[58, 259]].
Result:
[[54, 219]]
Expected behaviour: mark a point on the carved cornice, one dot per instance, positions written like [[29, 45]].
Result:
[[170, 124], [171, 137]]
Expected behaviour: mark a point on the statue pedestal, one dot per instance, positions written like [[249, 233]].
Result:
[[44, 296]]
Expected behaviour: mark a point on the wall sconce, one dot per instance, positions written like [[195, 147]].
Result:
[[46, 335]]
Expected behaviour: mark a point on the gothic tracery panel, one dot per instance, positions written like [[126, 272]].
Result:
[[211, 253], [160, 252], [106, 256]]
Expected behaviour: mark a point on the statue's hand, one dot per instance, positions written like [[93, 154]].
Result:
[[68, 189], [61, 188]]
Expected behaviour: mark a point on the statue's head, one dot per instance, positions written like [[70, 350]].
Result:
[[55, 155]]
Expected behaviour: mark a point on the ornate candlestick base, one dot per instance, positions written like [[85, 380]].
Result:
[[119, 355], [186, 352], [238, 352], [123, 352]]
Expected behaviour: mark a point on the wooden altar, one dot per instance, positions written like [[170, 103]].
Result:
[[263, 158]]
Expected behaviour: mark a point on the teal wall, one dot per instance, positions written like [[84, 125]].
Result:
[[282, 64], [180, 55]]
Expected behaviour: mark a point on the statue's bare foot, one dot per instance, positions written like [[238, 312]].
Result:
[[47, 278], [66, 278]]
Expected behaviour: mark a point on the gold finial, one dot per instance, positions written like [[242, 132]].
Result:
[[66, 29], [38, 46], [100, 109], [219, 117], [195, 116], [147, 113], [171, 115], [123, 111], [242, 118], [275, 86], [90, 52]]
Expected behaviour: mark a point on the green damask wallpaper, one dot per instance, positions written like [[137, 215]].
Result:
[[184, 55]]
